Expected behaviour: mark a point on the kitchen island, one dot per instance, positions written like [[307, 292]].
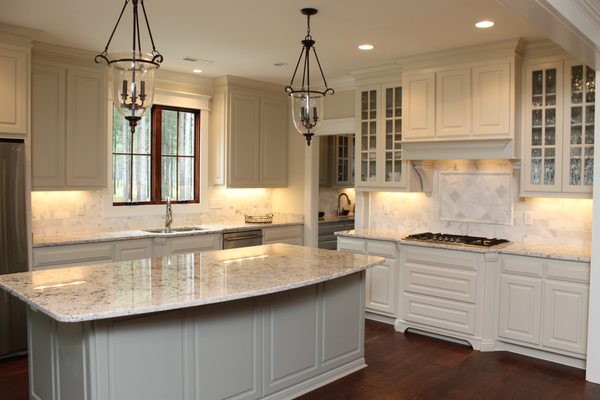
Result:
[[268, 322]]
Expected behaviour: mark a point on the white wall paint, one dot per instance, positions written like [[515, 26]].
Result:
[[593, 355], [290, 200]]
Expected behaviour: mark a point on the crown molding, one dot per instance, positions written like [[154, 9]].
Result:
[[248, 84], [18, 35]]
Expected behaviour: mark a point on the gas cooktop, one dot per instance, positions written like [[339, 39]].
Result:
[[455, 239]]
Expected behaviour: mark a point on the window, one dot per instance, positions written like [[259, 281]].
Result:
[[160, 160]]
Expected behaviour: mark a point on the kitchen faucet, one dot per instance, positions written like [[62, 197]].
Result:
[[339, 208], [168, 215]]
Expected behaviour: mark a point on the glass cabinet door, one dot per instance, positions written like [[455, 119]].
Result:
[[344, 174], [579, 132], [544, 118], [393, 134], [368, 136]]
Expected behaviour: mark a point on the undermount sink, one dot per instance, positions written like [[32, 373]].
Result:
[[175, 230]]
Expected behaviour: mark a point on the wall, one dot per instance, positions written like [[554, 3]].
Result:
[[340, 105], [83, 211], [555, 221]]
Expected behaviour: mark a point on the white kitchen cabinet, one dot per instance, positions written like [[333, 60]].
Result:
[[73, 254], [543, 304], [14, 86], [248, 136], [69, 109], [462, 110], [520, 308], [559, 110], [293, 234], [127, 250], [441, 291], [381, 280], [378, 148], [170, 246]]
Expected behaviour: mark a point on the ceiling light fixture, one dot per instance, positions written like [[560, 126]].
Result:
[[486, 23], [197, 71], [307, 101], [366, 47], [132, 72]]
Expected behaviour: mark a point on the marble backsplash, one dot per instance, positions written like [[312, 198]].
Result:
[[82, 211], [328, 199], [555, 221]]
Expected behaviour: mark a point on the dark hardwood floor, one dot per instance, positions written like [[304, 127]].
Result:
[[413, 367]]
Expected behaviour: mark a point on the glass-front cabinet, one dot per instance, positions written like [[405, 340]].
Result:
[[379, 139], [344, 160], [559, 130]]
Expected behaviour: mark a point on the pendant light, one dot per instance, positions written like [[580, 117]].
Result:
[[132, 72], [307, 101]]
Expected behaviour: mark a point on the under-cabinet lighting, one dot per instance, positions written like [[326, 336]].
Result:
[[366, 47], [486, 23], [59, 285]]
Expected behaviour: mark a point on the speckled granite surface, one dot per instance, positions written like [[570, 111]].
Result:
[[137, 287], [582, 254], [93, 237]]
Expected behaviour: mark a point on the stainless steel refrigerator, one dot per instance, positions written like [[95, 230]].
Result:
[[13, 243]]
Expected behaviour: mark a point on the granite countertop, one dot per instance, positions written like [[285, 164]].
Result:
[[581, 254], [118, 289], [93, 237]]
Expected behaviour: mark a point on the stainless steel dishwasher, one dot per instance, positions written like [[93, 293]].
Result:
[[234, 240]]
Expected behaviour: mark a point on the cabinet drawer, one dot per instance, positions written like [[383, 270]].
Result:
[[439, 313], [442, 257], [351, 245], [127, 250], [444, 282], [191, 244], [279, 234], [72, 254], [381, 248], [568, 271], [522, 265]]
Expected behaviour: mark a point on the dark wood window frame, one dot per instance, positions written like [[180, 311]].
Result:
[[156, 157]]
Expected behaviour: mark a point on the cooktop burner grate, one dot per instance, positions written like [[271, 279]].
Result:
[[455, 239]]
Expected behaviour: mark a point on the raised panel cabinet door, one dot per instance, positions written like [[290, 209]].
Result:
[[86, 128], [273, 142], [564, 323], [453, 103], [520, 308], [244, 140], [381, 288], [491, 101], [419, 105], [13, 86], [48, 126], [127, 250]]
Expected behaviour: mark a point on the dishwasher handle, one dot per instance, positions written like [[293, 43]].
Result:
[[233, 239]]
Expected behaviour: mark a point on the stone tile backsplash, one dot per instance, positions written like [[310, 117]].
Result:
[[555, 221]]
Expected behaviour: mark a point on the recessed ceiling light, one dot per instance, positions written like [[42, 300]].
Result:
[[486, 23], [366, 47], [280, 64], [197, 71]]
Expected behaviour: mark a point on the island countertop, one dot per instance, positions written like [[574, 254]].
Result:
[[110, 290]]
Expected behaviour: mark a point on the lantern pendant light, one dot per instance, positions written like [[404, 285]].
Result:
[[132, 72], [307, 101]]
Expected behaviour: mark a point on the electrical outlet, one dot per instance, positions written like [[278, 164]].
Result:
[[215, 204], [528, 218]]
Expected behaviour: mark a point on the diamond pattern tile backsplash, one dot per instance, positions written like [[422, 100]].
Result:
[[475, 197]]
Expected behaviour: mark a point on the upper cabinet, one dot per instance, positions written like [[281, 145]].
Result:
[[14, 86], [558, 142], [248, 136], [379, 145], [461, 104], [69, 134]]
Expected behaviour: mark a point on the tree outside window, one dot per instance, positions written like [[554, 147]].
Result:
[[160, 160]]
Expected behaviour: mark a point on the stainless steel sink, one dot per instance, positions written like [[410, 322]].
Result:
[[176, 230]]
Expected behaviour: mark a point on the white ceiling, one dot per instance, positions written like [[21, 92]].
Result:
[[246, 37]]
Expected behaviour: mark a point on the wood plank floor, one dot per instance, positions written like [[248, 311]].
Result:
[[413, 367]]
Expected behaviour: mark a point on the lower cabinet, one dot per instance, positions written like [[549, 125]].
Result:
[[544, 304], [381, 280], [68, 255], [127, 250], [327, 238], [163, 247], [442, 290], [293, 234]]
